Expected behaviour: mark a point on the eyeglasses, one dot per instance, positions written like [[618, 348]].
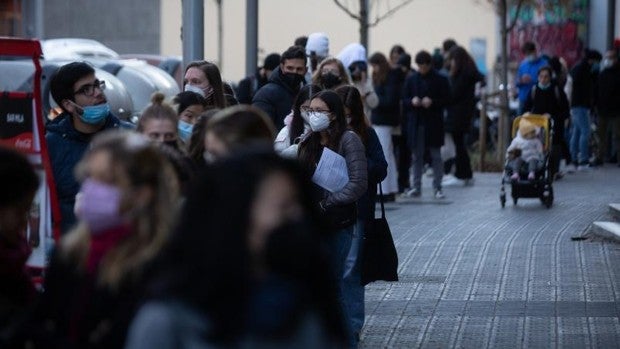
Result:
[[308, 110], [89, 89]]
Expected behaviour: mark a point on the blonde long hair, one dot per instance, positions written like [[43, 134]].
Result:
[[139, 160]]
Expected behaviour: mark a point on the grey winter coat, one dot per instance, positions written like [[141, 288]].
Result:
[[352, 149]]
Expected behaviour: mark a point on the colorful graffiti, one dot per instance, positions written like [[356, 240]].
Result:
[[558, 27]]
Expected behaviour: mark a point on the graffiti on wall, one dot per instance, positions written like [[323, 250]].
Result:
[[558, 27]]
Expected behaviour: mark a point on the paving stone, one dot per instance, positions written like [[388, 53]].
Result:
[[474, 275]]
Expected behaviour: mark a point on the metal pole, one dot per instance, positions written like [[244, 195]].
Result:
[[220, 36], [482, 140], [193, 31], [39, 31], [251, 37]]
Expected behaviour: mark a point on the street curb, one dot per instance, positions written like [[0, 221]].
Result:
[[606, 230], [614, 209]]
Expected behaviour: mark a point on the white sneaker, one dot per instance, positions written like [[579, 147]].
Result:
[[449, 180], [571, 168], [413, 193], [582, 168], [439, 194]]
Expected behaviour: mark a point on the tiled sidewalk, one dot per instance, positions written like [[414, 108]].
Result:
[[474, 275]]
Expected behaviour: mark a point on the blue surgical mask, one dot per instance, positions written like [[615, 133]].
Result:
[[185, 130], [93, 114], [543, 86]]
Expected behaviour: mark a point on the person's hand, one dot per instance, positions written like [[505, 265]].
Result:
[[416, 102], [426, 102]]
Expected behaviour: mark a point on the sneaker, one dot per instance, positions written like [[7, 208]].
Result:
[[583, 167], [439, 194], [559, 175], [449, 180], [413, 193]]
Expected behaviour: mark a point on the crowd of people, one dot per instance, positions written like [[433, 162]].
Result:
[[234, 217], [581, 99]]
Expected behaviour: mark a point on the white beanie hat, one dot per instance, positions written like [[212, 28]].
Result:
[[351, 53], [319, 43]]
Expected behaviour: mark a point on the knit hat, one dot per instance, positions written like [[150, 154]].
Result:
[[526, 127], [319, 43], [271, 61], [351, 53]]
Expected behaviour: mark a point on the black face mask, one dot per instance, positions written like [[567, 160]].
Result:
[[293, 249], [174, 144], [293, 80], [330, 80]]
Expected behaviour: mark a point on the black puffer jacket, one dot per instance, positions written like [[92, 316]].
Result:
[[583, 86], [608, 101], [275, 98]]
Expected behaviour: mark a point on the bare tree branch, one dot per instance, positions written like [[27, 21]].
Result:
[[345, 9], [388, 13], [514, 21]]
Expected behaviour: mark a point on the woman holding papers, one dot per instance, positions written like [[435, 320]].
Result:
[[377, 171], [330, 153]]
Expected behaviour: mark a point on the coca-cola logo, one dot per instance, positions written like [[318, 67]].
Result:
[[23, 143]]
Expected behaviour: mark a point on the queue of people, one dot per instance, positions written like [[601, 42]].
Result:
[[214, 223]]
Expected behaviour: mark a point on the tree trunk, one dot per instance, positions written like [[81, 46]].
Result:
[[364, 23]]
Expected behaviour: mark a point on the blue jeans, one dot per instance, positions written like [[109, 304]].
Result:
[[339, 244], [352, 284], [580, 135]]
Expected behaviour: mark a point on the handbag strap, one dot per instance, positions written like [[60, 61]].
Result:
[[381, 200]]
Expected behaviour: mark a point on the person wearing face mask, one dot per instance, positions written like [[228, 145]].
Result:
[[527, 72], [608, 107], [245, 267], [331, 74], [296, 124], [377, 170], [276, 97], [204, 78], [126, 205], [190, 105], [329, 131], [548, 98], [85, 113]]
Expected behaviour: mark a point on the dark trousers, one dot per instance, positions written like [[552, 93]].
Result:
[[402, 153], [462, 162]]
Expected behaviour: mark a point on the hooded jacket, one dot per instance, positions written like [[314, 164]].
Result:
[[66, 146], [275, 98]]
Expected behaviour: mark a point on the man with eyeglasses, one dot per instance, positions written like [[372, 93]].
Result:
[[85, 112]]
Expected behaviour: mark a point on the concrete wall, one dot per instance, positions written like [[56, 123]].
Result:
[[423, 24], [113, 22]]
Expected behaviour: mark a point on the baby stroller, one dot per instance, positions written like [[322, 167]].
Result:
[[540, 187]]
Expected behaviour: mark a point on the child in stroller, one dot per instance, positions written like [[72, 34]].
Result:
[[525, 150]]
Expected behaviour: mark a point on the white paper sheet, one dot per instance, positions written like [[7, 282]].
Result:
[[331, 172]]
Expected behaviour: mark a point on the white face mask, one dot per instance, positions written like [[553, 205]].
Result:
[[607, 63], [348, 120], [319, 121], [194, 89]]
